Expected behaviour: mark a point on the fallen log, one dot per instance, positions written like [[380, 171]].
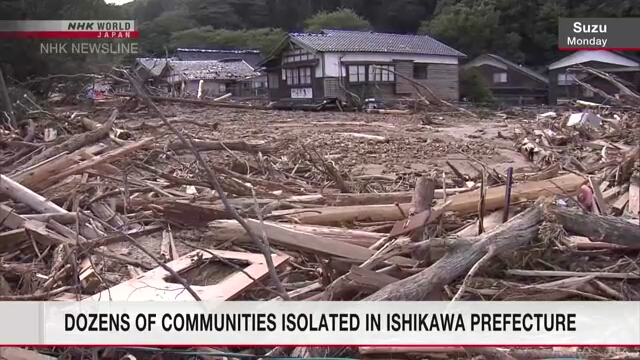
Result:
[[517, 232], [23, 195], [462, 204], [608, 229]]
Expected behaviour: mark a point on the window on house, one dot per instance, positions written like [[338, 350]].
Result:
[[273, 81], [500, 78], [379, 73], [296, 76], [357, 73], [297, 55], [566, 79], [305, 75], [223, 88], [289, 76], [420, 71]]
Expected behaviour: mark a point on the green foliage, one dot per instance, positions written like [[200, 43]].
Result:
[[473, 86], [474, 30], [343, 19], [155, 36], [260, 39], [522, 31]]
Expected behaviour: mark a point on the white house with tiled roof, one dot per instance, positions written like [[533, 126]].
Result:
[[323, 65]]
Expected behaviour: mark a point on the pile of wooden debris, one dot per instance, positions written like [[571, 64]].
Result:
[[90, 216]]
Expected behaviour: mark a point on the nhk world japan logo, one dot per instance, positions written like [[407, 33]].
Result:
[[69, 29]]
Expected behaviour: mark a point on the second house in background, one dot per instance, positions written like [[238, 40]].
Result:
[[330, 64], [509, 82]]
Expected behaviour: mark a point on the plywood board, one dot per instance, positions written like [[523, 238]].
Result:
[[153, 285]]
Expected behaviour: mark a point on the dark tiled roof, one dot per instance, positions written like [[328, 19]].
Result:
[[520, 68], [359, 41], [252, 57]]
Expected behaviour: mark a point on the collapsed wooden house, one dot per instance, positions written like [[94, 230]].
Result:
[[217, 77]]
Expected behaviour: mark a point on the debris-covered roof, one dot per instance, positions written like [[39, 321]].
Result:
[[252, 57], [154, 65], [210, 70], [361, 41], [520, 68]]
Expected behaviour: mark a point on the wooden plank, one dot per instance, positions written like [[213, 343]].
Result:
[[611, 193], [292, 239], [621, 203], [462, 204], [151, 286], [101, 159], [231, 230], [634, 195], [597, 194]]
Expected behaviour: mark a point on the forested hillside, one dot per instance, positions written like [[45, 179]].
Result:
[[524, 31]]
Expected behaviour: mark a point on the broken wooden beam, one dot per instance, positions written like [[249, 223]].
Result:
[[291, 239], [230, 230]]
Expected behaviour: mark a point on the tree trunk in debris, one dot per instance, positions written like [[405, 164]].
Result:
[[517, 232], [463, 254], [422, 198], [613, 230]]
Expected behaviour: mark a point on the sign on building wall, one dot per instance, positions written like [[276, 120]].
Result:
[[302, 93]]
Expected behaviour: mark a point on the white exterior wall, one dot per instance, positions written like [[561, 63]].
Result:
[[332, 60]]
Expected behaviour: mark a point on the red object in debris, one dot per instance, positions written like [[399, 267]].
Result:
[[585, 196]]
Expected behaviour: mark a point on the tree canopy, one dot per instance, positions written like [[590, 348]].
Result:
[[523, 31], [344, 19]]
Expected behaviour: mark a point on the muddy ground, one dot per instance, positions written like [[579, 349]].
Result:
[[404, 149], [411, 147]]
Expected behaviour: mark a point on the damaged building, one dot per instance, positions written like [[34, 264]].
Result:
[[218, 77]]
